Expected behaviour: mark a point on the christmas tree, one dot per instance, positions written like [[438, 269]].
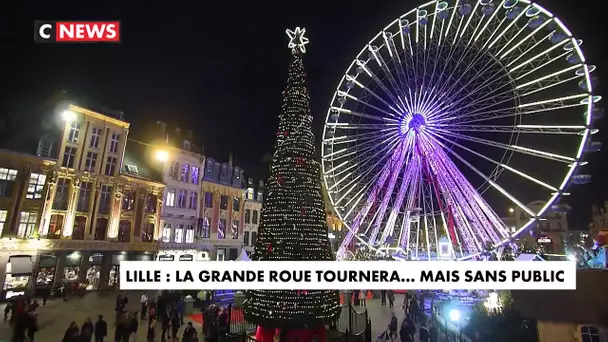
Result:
[[293, 225]]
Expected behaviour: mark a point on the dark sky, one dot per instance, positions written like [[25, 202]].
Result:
[[218, 67]]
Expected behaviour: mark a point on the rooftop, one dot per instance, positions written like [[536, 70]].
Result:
[[140, 162]]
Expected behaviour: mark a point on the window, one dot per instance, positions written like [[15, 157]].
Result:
[[166, 237], [101, 229], [55, 227], [179, 234], [45, 146], [84, 196], [36, 185], [132, 169], [127, 200], [95, 137], [74, 131], [221, 229], [105, 199], [170, 200], [7, 180], [147, 235], [151, 201], [249, 194], [27, 224], [254, 217], [204, 228], [236, 204], [80, 227], [3, 214], [208, 200], [110, 166], [90, 162], [60, 201], [173, 170], [234, 231], [246, 238], [190, 234], [223, 202], [254, 236], [181, 198], [184, 174], [194, 175], [247, 216], [193, 200], [114, 142], [69, 155], [124, 231], [590, 334]]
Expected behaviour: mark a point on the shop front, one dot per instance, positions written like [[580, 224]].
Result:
[[17, 275], [226, 254]]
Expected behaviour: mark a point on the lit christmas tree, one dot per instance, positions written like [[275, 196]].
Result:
[[293, 224]]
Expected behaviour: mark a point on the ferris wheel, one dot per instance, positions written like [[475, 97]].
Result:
[[453, 110]]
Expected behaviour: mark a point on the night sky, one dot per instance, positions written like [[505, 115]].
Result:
[[219, 67]]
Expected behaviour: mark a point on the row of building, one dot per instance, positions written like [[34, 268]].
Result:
[[94, 197]]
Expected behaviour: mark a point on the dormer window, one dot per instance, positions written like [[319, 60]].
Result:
[[132, 169], [186, 145], [589, 333]]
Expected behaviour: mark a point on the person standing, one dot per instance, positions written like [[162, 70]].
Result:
[[383, 297], [151, 334], [32, 325], [391, 298], [101, 329], [175, 323], [87, 329], [363, 298], [392, 327], [144, 305], [133, 327], [189, 334]]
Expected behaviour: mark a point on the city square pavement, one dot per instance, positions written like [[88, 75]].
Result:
[[55, 317]]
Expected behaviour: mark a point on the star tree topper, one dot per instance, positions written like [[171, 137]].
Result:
[[297, 39]]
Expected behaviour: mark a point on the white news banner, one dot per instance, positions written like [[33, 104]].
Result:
[[337, 275]]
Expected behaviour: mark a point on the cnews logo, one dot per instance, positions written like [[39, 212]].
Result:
[[77, 32]]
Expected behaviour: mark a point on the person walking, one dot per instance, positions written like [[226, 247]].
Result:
[[391, 298], [32, 325], [101, 329], [383, 297], [133, 327], [404, 332], [175, 324], [151, 333], [392, 327], [190, 334], [87, 329], [144, 305], [71, 333], [363, 298], [423, 333]]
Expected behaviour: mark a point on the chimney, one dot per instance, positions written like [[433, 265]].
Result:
[[162, 129], [230, 158], [189, 135]]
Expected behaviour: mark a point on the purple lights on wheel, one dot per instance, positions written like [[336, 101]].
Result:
[[446, 118]]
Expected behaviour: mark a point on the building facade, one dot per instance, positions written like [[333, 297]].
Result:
[[182, 174], [98, 203], [222, 210], [549, 233], [599, 220], [254, 196]]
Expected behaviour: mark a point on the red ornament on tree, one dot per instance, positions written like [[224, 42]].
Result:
[[269, 247], [299, 161], [280, 181]]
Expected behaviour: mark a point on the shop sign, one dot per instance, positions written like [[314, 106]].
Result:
[[186, 257], [544, 240], [166, 257]]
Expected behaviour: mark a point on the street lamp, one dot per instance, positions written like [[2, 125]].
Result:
[[511, 210], [68, 115], [162, 155]]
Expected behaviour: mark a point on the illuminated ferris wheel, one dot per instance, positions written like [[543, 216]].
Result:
[[453, 109]]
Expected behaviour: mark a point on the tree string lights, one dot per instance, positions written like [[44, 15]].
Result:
[[293, 225]]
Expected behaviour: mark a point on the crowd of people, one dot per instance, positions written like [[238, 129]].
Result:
[[22, 315], [414, 313]]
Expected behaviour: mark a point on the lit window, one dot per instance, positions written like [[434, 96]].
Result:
[[3, 214], [7, 180], [173, 170], [90, 162], [114, 142], [194, 175], [166, 233], [221, 229], [27, 224], [147, 235], [69, 155], [236, 204], [95, 137], [204, 228], [208, 200], [181, 198], [223, 202], [590, 334], [55, 226], [193, 200], [124, 231], [170, 200], [74, 131], [110, 166], [36, 185], [179, 234], [84, 196], [184, 175], [127, 200], [190, 234], [234, 230]]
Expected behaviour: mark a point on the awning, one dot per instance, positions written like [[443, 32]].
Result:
[[20, 265]]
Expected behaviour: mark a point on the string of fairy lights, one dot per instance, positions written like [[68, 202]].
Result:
[[293, 224]]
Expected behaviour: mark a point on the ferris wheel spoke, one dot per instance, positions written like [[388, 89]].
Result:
[[374, 52], [513, 148], [363, 65], [502, 165], [509, 112], [344, 96], [519, 129], [523, 73], [502, 32], [396, 59], [530, 49], [537, 58], [352, 81], [362, 115]]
